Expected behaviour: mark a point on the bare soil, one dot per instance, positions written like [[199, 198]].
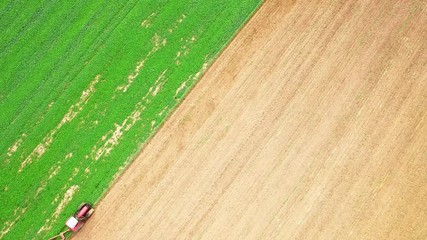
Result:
[[310, 125]]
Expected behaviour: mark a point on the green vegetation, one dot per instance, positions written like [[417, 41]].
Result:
[[83, 85]]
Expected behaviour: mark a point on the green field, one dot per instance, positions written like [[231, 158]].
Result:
[[83, 86]]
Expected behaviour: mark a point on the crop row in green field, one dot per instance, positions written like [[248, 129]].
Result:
[[83, 85]]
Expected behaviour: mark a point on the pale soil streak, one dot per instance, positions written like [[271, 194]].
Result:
[[146, 23], [8, 225], [72, 112], [112, 138], [68, 196], [158, 42], [19, 212], [193, 78], [311, 125], [15, 146]]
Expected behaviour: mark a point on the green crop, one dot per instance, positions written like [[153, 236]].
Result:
[[83, 86]]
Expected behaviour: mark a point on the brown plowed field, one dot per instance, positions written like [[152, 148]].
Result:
[[310, 125]]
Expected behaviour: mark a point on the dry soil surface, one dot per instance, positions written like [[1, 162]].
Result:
[[310, 125]]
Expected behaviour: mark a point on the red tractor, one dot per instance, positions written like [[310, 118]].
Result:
[[79, 218], [76, 222]]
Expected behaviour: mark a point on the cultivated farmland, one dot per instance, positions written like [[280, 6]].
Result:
[[83, 85], [312, 124]]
